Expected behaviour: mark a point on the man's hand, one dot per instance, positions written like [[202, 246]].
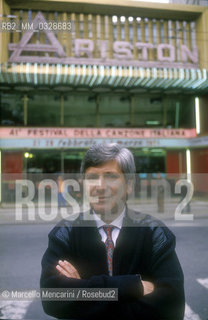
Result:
[[148, 287], [67, 269]]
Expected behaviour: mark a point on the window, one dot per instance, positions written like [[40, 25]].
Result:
[[44, 110], [11, 109]]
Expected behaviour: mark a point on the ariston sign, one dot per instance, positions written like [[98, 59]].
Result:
[[166, 55]]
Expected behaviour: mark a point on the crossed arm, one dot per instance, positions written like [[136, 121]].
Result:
[[163, 300], [67, 269]]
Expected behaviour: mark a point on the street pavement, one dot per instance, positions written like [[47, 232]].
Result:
[[22, 246]]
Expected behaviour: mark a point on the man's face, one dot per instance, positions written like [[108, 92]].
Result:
[[111, 188]]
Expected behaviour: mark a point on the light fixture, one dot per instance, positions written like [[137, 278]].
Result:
[[122, 19], [145, 149], [152, 122], [197, 113], [157, 150], [188, 164], [28, 155], [0, 176], [114, 19]]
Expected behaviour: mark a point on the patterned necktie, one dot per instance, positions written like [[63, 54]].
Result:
[[109, 247]]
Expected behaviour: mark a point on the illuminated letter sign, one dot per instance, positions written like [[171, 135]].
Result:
[[84, 50], [122, 50], [144, 47], [85, 46], [186, 53], [160, 50]]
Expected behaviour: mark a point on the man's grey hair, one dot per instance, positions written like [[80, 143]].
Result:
[[101, 153]]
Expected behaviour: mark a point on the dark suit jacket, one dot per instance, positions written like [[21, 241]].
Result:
[[144, 246]]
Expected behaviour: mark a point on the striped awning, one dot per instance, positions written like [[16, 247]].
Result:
[[76, 75]]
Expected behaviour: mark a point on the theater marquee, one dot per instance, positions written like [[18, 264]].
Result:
[[90, 133], [96, 51], [65, 138]]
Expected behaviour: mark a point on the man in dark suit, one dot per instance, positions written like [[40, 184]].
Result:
[[113, 247]]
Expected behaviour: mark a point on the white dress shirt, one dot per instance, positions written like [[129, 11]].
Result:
[[117, 223]]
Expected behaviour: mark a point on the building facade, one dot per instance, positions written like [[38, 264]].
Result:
[[77, 73], [191, 2]]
